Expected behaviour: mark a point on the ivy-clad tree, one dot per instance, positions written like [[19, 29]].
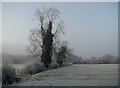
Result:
[[45, 37], [47, 46]]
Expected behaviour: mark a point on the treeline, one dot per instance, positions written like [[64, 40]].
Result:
[[105, 59], [15, 59]]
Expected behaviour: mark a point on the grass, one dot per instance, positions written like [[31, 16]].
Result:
[[76, 75]]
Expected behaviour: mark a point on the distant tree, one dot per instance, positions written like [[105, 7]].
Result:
[[93, 60], [61, 55], [44, 38], [108, 58]]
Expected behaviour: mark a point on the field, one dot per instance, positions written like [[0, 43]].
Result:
[[75, 75]]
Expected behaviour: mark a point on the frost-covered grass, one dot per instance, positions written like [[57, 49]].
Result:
[[76, 75]]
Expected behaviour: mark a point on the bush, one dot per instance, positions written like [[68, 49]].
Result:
[[28, 69], [8, 74], [34, 67], [53, 65], [69, 64], [0, 75], [38, 67]]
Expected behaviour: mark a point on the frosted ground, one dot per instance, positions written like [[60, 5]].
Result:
[[75, 75]]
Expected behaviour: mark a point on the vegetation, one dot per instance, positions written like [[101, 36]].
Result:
[[48, 50], [46, 37], [8, 75], [14, 59], [105, 59], [33, 68]]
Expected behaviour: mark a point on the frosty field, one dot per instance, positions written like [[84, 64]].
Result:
[[75, 75]]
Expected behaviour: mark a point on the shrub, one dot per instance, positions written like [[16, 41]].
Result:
[[38, 67], [8, 74], [53, 65], [33, 67], [28, 69], [69, 64], [0, 75]]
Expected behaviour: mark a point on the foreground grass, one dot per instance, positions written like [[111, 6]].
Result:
[[76, 75]]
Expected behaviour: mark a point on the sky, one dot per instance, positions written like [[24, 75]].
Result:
[[91, 28]]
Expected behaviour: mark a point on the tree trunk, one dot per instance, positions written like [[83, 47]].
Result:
[[47, 46]]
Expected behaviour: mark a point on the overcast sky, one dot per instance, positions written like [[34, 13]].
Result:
[[91, 28]]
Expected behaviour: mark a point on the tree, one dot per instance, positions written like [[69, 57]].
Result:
[[46, 35], [63, 54], [47, 46], [94, 60]]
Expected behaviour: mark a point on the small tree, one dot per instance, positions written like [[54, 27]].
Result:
[[63, 54]]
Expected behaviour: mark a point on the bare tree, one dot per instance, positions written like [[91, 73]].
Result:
[[46, 35], [63, 53]]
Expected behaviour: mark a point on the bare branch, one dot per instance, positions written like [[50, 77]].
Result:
[[59, 28], [40, 14], [52, 14]]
